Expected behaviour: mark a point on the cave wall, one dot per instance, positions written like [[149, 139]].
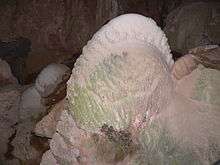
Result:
[[58, 29]]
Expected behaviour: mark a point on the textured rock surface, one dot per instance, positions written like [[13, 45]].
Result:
[[106, 85], [184, 66], [50, 78], [197, 108], [47, 126], [9, 102], [21, 143], [208, 56], [193, 25], [202, 84], [6, 76], [48, 159], [31, 106]]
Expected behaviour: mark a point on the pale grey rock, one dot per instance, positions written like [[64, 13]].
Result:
[[31, 106], [63, 151], [193, 25], [47, 126], [65, 128], [50, 77], [48, 159], [64, 141]]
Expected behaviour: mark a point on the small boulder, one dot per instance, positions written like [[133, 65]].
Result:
[[50, 77], [31, 106], [47, 126]]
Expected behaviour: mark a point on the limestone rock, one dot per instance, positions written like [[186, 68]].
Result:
[[122, 85], [47, 126], [52, 81], [65, 142], [6, 76], [48, 159], [201, 85], [183, 66], [23, 149], [192, 25], [31, 106], [120, 72]]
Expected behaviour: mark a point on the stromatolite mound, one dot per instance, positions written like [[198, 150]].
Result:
[[122, 76]]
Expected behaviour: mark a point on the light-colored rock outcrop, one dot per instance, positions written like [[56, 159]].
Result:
[[50, 77], [47, 126], [31, 106]]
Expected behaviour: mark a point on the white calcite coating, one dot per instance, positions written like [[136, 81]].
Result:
[[123, 31], [50, 77], [123, 73]]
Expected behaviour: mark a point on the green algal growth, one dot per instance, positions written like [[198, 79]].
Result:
[[100, 100]]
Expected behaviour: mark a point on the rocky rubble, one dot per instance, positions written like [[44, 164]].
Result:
[[21, 107]]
